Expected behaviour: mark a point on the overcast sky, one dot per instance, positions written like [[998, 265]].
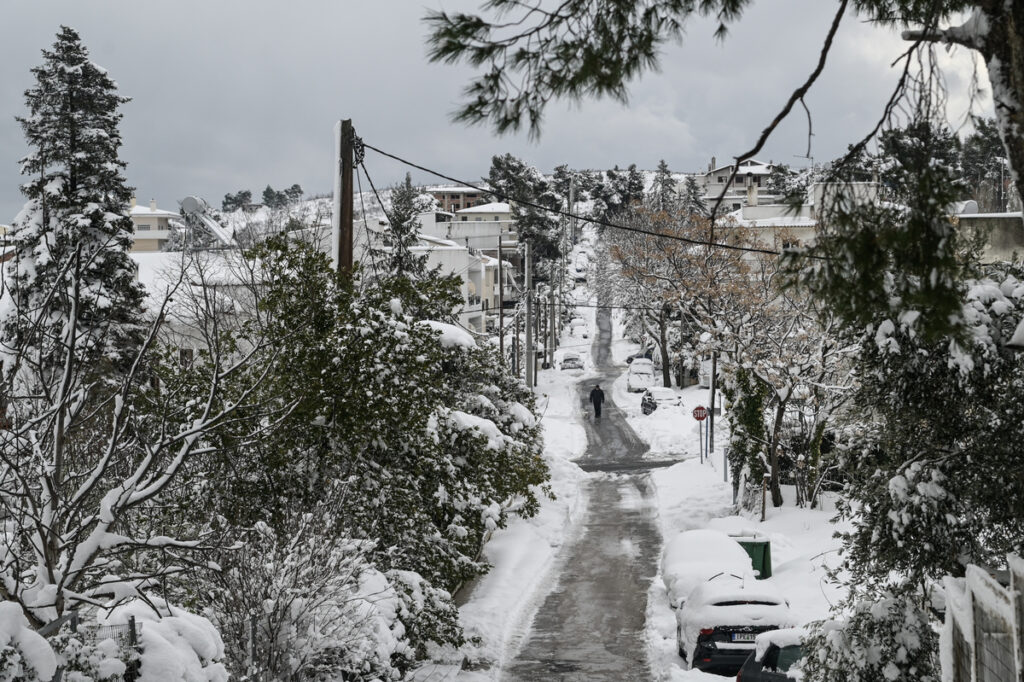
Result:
[[238, 94]]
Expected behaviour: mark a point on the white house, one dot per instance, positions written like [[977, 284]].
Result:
[[152, 226], [752, 174], [496, 210]]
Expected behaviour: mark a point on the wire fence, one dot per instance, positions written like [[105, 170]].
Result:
[[126, 636]]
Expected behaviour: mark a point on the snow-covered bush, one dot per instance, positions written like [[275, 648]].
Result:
[[174, 645], [886, 637], [24, 655]]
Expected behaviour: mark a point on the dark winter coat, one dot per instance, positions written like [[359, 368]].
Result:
[[597, 396]]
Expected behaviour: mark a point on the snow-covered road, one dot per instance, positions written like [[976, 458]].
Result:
[[591, 625]]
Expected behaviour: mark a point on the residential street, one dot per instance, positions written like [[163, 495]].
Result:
[[591, 626]]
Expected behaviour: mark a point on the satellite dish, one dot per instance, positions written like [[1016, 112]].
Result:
[[192, 205]]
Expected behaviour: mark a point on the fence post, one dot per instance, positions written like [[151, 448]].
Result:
[[132, 672]]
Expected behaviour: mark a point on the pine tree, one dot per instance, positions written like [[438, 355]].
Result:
[[692, 200], [634, 186], [403, 232], [663, 192], [71, 283]]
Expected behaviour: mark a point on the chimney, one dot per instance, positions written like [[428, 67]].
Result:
[[152, 204], [751, 194], [134, 202], [712, 166]]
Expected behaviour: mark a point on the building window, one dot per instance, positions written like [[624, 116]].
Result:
[[185, 356], [455, 207], [471, 196], [721, 179], [477, 219], [735, 207], [144, 226], [464, 218], [496, 217]]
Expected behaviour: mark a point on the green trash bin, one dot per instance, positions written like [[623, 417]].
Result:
[[760, 551]]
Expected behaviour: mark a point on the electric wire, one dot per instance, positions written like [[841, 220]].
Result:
[[568, 214]]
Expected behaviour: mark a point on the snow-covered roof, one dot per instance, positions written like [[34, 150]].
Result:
[[451, 189], [493, 207], [752, 166], [428, 242], [147, 212]]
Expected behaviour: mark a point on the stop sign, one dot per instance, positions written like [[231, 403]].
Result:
[[700, 413]]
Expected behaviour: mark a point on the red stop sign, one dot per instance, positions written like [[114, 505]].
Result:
[[700, 413]]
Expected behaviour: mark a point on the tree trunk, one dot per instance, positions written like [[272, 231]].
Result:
[[1003, 50], [773, 459], [666, 369]]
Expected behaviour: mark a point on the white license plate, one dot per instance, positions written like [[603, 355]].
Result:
[[743, 636]]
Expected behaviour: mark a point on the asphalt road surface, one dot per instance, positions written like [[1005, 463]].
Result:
[[591, 626]]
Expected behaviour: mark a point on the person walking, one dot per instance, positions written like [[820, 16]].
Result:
[[597, 398]]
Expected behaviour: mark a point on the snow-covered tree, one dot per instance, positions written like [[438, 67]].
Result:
[[664, 195], [402, 235], [70, 281], [516, 182], [93, 438], [691, 201]]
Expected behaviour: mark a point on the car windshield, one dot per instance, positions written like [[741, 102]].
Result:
[[788, 655]]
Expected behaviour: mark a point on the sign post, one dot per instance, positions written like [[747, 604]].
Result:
[[700, 413]]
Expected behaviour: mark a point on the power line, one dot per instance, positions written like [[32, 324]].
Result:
[[567, 214]]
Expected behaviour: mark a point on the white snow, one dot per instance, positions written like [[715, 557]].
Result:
[[450, 335], [34, 650]]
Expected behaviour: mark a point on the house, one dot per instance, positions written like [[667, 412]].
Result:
[[752, 174], [494, 211], [153, 226], [453, 198], [479, 230]]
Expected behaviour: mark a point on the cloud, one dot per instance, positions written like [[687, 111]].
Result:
[[230, 95]]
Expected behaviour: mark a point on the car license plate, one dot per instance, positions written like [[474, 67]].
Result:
[[743, 636]]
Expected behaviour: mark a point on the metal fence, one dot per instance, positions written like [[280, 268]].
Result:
[[126, 637], [985, 625]]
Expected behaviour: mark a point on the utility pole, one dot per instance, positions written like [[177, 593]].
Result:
[[501, 304], [341, 219], [572, 206], [530, 359], [714, 358], [552, 336]]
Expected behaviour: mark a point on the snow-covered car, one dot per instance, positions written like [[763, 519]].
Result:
[[571, 361], [657, 396], [693, 556], [704, 373], [717, 626], [578, 327], [641, 375], [776, 653]]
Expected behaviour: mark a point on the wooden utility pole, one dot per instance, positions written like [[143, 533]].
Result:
[[501, 304], [552, 334], [341, 219], [531, 368]]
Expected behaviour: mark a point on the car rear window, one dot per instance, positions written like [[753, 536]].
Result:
[[744, 602]]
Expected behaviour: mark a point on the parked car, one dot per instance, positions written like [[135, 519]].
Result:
[[657, 396], [641, 376], [704, 374], [571, 361], [694, 556], [717, 626], [776, 652], [578, 327]]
